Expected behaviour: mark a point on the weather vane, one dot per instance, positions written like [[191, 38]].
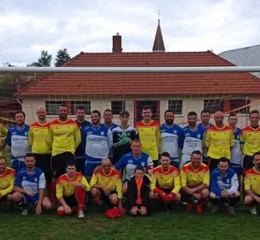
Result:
[[159, 16]]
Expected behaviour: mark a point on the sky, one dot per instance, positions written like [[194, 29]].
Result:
[[29, 26]]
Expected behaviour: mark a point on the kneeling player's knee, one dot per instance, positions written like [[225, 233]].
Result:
[[205, 193], [237, 194], [113, 199], [16, 197], [248, 199], [47, 203], [61, 211], [177, 197]]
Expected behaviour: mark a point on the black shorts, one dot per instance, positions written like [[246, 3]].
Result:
[[185, 197], [43, 161], [80, 163], [247, 163], [166, 190], [71, 201], [212, 164], [58, 163], [105, 198]]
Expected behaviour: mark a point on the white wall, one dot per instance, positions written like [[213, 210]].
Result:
[[189, 104]]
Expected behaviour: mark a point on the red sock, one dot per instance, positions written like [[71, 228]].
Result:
[[80, 196], [49, 189], [61, 212]]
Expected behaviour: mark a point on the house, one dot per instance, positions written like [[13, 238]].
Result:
[[247, 56], [181, 92]]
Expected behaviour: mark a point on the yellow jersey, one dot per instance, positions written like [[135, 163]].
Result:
[[169, 179], [252, 181], [250, 140], [219, 141], [38, 135], [3, 133], [64, 188], [7, 181], [111, 181], [63, 136], [149, 135], [191, 177]]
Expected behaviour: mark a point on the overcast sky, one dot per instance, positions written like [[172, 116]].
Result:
[[29, 26]]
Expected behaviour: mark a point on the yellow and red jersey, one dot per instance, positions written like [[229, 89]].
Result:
[[3, 133], [7, 181], [219, 141], [194, 177], [149, 135], [250, 140], [63, 136], [64, 187], [252, 181], [169, 179], [38, 138], [111, 181]]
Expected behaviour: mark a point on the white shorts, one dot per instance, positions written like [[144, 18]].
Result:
[[184, 159]]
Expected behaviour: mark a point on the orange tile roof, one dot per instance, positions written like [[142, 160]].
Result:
[[144, 83]]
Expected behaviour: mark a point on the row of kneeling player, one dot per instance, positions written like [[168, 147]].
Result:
[[165, 186]]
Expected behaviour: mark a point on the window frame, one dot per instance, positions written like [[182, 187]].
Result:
[[177, 102]]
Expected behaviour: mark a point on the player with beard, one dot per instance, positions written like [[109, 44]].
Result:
[[80, 151], [250, 140], [29, 187], [17, 139], [194, 178], [224, 186], [193, 138], [123, 135], [171, 138], [64, 137], [38, 135], [108, 117], [97, 141], [252, 184], [219, 140], [205, 124]]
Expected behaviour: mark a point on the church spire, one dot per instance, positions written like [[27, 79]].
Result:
[[158, 45]]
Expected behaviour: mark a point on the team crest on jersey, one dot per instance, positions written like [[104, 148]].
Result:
[[198, 135], [102, 133], [24, 177], [35, 179], [237, 136], [143, 164], [175, 131], [228, 181], [26, 133]]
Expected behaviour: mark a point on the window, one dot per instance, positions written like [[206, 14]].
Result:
[[52, 107], [237, 105], [213, 105], [117, 107], [85, 104], [176, 106]]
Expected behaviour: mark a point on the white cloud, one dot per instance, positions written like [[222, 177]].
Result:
[[27, 27]]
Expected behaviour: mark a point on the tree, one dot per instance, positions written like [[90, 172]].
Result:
[[43, 61], [62, 57]]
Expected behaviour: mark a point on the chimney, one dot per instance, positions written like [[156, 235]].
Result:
[[117, 43]]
